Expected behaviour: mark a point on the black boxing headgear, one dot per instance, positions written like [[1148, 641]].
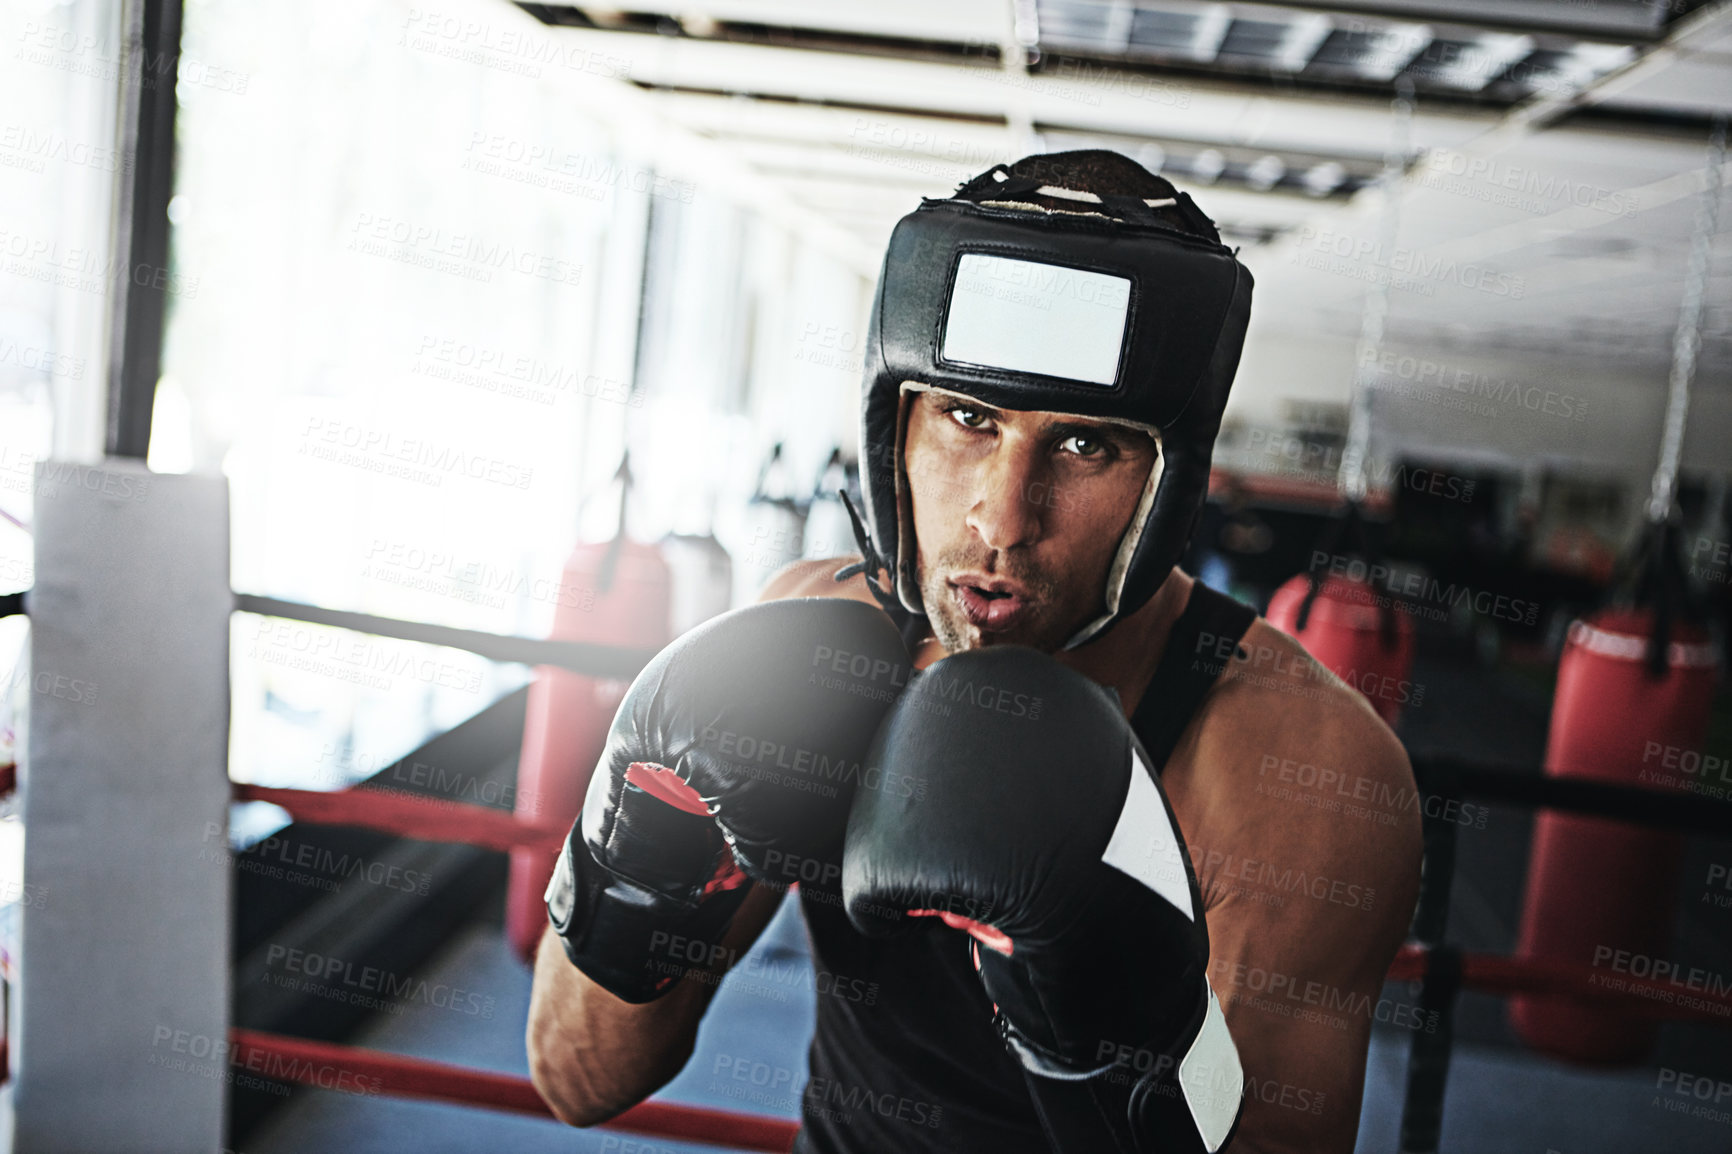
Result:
[[1023, 293]]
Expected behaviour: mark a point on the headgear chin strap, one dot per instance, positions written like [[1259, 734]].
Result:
[[1105, 308]]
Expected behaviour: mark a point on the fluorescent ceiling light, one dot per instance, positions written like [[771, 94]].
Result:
[[1484, 60], [1393, 49], [1304, 36], [1265, 172]]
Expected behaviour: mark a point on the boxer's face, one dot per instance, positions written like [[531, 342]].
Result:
[[1017, 516]]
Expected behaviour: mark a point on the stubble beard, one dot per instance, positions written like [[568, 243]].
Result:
[[956, 633]]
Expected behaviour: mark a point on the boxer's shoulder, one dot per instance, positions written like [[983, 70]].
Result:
[[1288, 761], [1273, 696], [816, 578]]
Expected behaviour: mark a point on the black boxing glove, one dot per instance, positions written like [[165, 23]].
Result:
[[1045, 836], [734, 756]]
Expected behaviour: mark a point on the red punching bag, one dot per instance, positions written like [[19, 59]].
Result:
[[1600, 893], [1347, 633], [614, 593]]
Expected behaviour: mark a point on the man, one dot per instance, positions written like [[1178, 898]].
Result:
[[1050, 353]]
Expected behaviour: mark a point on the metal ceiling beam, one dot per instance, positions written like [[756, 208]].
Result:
[[1697, 29], [1080, 96], [641, 125], [1536, 116], [1571, 17]]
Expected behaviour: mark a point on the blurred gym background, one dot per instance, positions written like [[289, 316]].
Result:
[[458, 297]]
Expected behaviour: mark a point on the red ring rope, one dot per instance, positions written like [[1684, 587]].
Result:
[[434, 819], [309, 1062], [427, 818], [438, 820], [317, 1063], [1493, 974]]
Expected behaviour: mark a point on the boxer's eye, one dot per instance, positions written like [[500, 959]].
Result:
[[1084, 446], [967, 418]]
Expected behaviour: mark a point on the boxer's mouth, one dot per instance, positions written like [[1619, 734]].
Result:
[[991, 604]]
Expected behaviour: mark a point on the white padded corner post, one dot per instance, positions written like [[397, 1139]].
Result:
[[124, 975]]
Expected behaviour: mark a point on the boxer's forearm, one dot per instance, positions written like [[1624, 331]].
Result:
[[1294, 1106], [591, 1055]]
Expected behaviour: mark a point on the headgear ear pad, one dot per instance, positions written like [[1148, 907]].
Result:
[[1107, 309]]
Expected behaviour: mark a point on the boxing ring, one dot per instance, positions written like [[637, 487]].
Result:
[[132, 596]]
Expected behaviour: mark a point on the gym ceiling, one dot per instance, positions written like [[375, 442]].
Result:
[[1555, 145]]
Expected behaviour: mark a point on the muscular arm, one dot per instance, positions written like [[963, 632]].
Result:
[[592, 1055], [1300, 1000], [1301, 818]]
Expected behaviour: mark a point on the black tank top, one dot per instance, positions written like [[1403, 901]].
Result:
[[904, 1056]]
